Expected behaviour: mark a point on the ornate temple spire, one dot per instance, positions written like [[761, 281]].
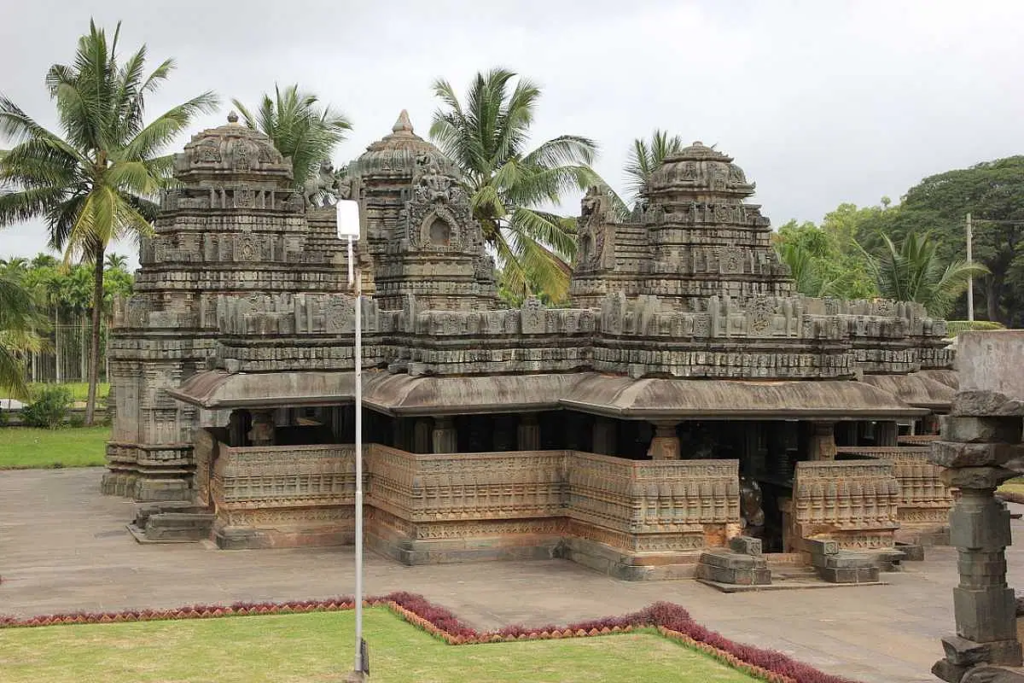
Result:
[[403, 124]]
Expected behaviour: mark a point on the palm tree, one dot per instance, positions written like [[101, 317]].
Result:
[[802, 268], [913, 272], [487, 139], [19, 320], [116, 262], [94, 184], [646, 156], [300, 129]]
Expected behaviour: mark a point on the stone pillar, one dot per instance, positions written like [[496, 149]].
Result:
[[605, 436], [446, 438], [528, 432], [886, 433], [262, 431], [665, 444], [981, 436], [822, 444], [422, 435]]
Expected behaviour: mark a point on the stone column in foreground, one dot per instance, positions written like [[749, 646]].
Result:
[[979, 438]]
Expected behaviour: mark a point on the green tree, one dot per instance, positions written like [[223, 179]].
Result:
[[645, 156], [95, 183], [19, 322], [487, 138], [914, 272], [116, 262], [300, 129], [993, 192], [824, 261]]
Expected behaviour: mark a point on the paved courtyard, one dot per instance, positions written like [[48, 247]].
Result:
[[63, 547]]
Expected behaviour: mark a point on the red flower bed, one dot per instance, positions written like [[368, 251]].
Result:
[[671, 620]]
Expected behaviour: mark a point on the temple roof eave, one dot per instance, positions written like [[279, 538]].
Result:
[[606, 395]]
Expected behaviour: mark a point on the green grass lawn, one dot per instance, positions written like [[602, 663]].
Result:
[[296, 648], [25, 447]]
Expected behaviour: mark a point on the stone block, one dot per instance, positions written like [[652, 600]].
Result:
[[984, 528], [723, 566], [991, 361], [957, 454], [985, 614], [993, 674], [848, 574], [985, 404], [949, 672], [963, 652], [912, 552], [746, 545], [816, 546], [976, 477], [981, 429]]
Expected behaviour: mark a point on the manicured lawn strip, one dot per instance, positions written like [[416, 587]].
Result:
[[313, 647], [27, 447], [671, 620]]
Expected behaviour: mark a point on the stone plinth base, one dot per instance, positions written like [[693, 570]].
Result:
[[630, 566], [310, 534], [724, 566], [841, 566], [412, 552], [171, 522], [144, 489]]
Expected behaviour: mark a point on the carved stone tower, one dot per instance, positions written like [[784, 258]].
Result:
[[234, 228], [418, 226], [692, 237]]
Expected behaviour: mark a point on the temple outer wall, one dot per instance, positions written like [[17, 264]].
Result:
[[630, 519]]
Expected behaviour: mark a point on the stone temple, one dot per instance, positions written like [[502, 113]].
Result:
[[686, 410]]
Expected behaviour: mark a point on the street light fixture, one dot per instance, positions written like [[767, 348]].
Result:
[[348, 229]]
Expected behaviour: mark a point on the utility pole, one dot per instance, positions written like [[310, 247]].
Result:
[[970, 278]]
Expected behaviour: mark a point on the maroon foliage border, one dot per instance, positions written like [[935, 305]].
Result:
[[669, 619]]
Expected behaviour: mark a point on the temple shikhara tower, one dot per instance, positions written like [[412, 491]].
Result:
[[687, 411]]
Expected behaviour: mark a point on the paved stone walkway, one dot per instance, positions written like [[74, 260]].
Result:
[[63, 547]]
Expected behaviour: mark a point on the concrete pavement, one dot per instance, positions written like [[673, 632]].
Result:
[[64, 547]]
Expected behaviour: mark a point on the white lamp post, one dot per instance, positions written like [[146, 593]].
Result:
[[348, 229]]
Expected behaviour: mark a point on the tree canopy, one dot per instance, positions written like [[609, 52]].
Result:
[[993, 193], [509, 185], [300, 128], [96, 182]]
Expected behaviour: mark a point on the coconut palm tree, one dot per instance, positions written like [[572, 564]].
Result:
[[19, 320], [913, 272], [646, 156], [299, 127], [95, 183], [487, 138], [116, 262]]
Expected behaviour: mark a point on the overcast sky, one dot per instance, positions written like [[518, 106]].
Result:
[[820, 102]]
